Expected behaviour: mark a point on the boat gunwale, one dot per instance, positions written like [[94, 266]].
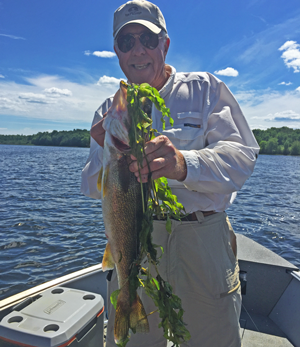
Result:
[[31, 292]]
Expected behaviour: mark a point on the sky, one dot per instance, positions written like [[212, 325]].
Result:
[[57, 63]]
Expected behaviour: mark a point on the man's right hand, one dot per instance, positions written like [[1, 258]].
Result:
[[98, 133]]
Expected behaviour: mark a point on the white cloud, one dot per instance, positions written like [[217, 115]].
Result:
[[262, 108], [34, 98], [103, 54], [67, 102], [58, 92], [13, 37], [291, 55], [109, 80], [1, 76], [284, 116], [229, 71], [288, 45], [265, 108], [256, 52], [22, 131], [285, 83]]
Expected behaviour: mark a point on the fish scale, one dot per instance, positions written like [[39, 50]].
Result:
[[116, 204]]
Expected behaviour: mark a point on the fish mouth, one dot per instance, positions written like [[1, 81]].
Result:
[[120, 145]]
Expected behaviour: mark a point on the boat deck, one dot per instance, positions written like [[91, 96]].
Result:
[[261, 331], [271, 305], [270, 312]]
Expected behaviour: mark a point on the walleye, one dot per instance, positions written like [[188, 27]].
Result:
[[122, 214]]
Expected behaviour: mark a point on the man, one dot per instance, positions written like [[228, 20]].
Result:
[[207, 156]]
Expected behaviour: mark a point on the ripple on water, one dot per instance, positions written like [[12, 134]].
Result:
[[48, 229]]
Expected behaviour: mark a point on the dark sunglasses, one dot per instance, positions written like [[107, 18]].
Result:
[[127, 42]]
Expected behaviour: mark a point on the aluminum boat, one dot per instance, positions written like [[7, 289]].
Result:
[[270, 314]]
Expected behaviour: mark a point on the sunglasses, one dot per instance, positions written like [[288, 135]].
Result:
[[127, 42]]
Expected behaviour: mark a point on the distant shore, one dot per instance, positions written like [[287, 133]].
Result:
[[72, 138], [284, 140]]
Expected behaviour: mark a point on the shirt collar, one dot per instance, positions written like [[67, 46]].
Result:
[[165, 90]]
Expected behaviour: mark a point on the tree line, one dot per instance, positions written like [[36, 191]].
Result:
[[282, 140], [73, 138]]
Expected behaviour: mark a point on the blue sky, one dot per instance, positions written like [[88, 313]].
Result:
[[57, 63]]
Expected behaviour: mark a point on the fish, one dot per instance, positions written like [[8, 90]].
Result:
[[122, 214]]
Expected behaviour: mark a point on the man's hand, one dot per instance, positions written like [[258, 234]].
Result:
[[164, 160], [98, 133]]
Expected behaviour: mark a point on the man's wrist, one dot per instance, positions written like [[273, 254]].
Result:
[[182, 168]]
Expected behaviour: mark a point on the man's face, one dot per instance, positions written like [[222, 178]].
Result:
[[141, 64]]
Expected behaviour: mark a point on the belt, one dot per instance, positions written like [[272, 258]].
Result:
[[192, 217]]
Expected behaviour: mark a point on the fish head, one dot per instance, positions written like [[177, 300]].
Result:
[[117, 121]]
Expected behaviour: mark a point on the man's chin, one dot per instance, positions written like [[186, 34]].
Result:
[[140, 80]]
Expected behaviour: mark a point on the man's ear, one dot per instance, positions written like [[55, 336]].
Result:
[[115, 49], [167, 45]]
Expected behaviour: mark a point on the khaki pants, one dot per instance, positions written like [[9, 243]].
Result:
[[200, 264]]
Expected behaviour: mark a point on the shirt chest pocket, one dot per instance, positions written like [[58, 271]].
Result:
[[187, 132]]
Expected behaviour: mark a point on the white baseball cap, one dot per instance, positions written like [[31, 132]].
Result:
[[139, 12]]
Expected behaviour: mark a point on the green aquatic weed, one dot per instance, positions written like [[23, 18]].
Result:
[[162, 204]]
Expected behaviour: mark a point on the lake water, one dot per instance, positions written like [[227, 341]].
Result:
[[48, 229]]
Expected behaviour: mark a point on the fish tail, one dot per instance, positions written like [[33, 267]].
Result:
[[133, 317], [138, 317], [121, 327]]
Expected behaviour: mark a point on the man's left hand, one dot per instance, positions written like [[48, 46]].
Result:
[[164, 161]]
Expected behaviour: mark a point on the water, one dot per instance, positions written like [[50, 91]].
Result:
[[48, 229], [267, 208]]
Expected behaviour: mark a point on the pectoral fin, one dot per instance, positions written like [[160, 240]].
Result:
[[104, 181], [108, 262], [99, 181]]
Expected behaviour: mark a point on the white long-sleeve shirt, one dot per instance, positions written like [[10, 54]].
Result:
[[211, 132]]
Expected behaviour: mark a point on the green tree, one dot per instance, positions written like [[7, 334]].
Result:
[[45, 140], [282, 140], [258, 133], [272, 146], [286, 149], [295, 150], [263, 145]]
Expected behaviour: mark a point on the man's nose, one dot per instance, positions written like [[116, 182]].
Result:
[[138, 48]]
